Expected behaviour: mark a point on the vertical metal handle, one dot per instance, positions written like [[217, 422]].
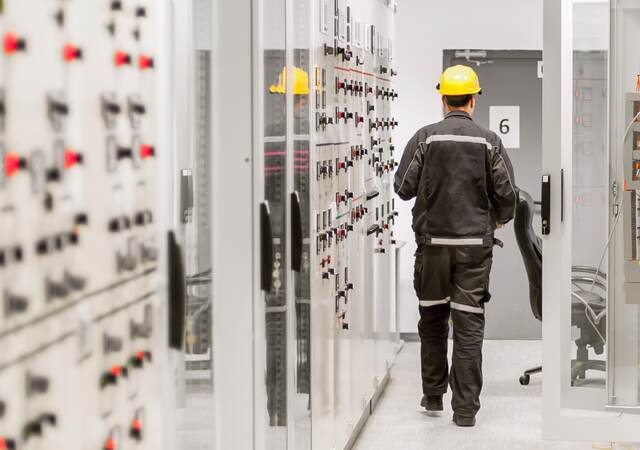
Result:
[[561, 195], [296, 232], [266, 247], [546, 204], [177, 293]]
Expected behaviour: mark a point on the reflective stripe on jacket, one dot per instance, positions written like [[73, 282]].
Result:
[[462, 179]]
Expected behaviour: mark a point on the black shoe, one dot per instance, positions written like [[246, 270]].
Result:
[[433, 404], [464, 421]]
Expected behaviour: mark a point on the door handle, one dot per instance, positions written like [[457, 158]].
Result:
[[177, 293], [546, 204], [296, 232], [266, 247]]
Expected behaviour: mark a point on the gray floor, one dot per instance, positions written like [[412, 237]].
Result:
[[510, 417]]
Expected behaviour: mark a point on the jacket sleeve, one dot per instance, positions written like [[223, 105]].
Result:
[[407, 176], [502, 189]]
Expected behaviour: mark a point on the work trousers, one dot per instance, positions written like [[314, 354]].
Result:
[[453, 282]]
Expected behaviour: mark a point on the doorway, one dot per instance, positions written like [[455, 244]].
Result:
[[511, 105]]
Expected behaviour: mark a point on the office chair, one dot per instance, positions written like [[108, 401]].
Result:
[[588, 296]]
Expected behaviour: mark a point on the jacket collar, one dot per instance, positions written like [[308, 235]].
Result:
[[458, 113]]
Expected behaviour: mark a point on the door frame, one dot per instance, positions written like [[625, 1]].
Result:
[[235, 261]]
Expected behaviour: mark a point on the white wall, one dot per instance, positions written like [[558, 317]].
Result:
[[425, 28]]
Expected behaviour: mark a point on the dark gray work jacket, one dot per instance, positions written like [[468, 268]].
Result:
[[463, 182]]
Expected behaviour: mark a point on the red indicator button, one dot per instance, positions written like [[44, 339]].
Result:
[[7, 444], [147, 151], [71, 159], [12, 43], [121, 58], [71, 52], [145, 62], [136, 429], [110, 444], [139, 359], [13, 163]]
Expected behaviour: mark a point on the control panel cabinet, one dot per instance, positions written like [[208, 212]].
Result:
[[631, 199], [80, 243], [352, 212]]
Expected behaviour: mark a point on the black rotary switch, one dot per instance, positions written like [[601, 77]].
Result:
[[36, 384], [148, 253], [14, 304], [75, 282], [124, 152], [111, 344], [55, 289]]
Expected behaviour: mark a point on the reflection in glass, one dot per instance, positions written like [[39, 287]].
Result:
[[302, 279], [275, 185], [195, 369], [589, 178]]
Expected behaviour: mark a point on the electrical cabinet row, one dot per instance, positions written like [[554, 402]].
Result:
[[80, 298], [84, 114], [329, 99]]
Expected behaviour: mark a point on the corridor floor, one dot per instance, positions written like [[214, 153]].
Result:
[[510, 417]]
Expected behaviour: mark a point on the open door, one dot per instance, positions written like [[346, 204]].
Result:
[[590, 321]]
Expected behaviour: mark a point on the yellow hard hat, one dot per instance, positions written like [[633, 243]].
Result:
[[459, 80], [300, 82]]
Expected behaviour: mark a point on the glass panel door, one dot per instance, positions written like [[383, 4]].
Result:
[[274, 99], [586, 182], [591, 321], [624, 313], [193, 368], [303, 92]]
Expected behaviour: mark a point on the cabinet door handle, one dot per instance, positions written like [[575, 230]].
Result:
[[296, 232], [546, 204], [177, 293], [266, 247]]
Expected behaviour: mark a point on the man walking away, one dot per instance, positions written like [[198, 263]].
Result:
[[463, 183]]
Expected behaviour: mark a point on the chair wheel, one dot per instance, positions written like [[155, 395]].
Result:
[[524, 380]]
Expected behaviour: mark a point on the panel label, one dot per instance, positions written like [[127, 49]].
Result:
[[505, 122]]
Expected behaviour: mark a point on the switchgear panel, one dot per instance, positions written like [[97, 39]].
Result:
[[631, 201], [80, 295], [353, 211]]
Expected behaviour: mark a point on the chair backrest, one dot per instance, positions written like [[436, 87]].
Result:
[[531, 249]]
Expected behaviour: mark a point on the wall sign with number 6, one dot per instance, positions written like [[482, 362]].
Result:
[[505, 122]]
